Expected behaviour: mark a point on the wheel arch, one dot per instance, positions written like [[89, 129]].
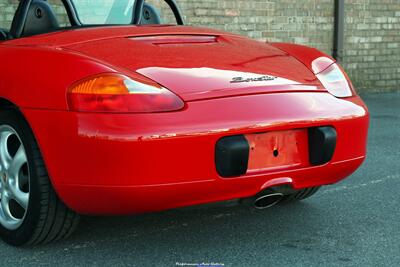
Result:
[[6, 104]]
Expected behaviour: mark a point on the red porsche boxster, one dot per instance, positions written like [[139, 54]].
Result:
[[117, 113]]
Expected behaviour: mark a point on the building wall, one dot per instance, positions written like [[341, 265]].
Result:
[[307, 22], [372, 37], [7, 10], [372, 44]]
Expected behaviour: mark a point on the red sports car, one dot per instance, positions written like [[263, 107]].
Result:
[[120, 114]]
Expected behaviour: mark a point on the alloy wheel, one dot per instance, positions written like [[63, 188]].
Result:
[[14, 179]]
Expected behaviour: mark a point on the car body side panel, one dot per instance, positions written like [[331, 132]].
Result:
[[35, 77]]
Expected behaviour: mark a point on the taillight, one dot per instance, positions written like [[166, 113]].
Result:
[[116, 93], [332, 78]]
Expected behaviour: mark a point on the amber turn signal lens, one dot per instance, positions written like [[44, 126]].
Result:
[[115, 93], [105, 84]]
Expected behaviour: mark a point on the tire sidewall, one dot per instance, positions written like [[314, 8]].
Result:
[[23, 234]]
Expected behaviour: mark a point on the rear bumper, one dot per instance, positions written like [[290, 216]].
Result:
[[130, 163]]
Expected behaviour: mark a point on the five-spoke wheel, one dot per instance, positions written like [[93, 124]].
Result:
[[14, 179]]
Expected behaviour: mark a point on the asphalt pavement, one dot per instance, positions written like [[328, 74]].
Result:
[[353, 223]]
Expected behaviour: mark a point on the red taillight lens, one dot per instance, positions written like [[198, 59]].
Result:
[[117, 93]]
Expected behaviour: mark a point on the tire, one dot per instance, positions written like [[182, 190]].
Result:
[[300, 195], [30, 211]]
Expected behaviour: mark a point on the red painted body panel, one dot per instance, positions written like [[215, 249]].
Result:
[[147, 162], [55, 58], [36, 77], [198, 75], [130, 163], [84, 35], [302, 53]]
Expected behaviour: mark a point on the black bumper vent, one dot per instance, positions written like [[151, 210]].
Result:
[[232, 156], [322, 144]]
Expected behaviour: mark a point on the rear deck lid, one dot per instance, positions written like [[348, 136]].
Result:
[[206, 65]]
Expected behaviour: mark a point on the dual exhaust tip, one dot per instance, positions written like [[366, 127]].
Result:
[[267, 199]]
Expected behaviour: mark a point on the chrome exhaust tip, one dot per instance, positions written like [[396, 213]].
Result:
[[267, 200]]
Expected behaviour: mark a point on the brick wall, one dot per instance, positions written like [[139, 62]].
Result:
[[7, 10], [308, 21], [372, 37], [372, 44]]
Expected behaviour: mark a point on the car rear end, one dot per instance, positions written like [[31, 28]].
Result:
[[187, 116]]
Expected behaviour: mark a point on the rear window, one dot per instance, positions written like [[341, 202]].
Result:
[[93, 12]]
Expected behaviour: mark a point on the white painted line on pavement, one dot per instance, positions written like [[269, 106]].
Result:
[[374, 182]]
